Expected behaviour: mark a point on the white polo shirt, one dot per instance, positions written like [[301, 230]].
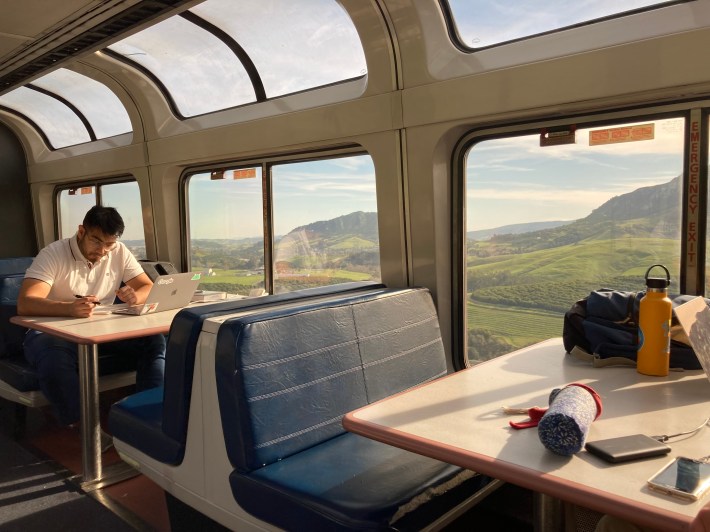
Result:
[[63, 267]]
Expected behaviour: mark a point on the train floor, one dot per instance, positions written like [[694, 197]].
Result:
[[38, 457]]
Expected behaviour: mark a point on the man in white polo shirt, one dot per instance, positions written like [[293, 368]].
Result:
[[70, 277]]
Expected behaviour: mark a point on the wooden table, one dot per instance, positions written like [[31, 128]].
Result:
[[459, 419], [87, 333]]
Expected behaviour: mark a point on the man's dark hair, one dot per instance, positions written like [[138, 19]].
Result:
[[106, 219]]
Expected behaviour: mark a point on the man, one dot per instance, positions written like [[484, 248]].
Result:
[[70, 277]]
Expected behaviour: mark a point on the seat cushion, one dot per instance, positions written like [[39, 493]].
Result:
[[353, 483], [16, 371], [137, 419]]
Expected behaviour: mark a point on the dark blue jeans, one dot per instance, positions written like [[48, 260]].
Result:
[[57, 365]]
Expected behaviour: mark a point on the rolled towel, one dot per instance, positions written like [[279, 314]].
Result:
[[564, 426]]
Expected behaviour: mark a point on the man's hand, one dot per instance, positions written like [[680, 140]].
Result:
[[83, 306], [127, 295]]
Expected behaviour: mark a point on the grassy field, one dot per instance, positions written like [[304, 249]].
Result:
[[518, 326], [240, 282], [515, 300]]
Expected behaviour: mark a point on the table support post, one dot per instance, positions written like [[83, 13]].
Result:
[[547, 513], [90, 423]]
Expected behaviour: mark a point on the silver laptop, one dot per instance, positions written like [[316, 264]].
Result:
[[168, 292], [694, 316]]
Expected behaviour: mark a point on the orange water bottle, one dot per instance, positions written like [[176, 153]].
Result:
[[655, 310]]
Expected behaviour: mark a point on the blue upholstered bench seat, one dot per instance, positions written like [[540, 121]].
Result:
[[353, 483], [15, 265], [286, 377], [156, 421]]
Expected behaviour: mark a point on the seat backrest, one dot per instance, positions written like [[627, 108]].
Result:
[[14, 265], [11, 335], [184, 334], [285, 377]]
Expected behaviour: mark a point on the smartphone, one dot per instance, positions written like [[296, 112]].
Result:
[[686, 478], [625, 448]]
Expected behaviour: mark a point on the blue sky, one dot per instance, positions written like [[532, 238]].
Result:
[[303, 193], [486, 22], [514, 180]]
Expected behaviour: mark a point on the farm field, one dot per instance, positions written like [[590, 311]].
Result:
[[511, 326]]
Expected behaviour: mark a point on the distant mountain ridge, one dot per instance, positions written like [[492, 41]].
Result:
[[360, 224], [647, 211], [515, 229]]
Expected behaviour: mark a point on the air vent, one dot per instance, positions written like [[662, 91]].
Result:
[[91, 40]]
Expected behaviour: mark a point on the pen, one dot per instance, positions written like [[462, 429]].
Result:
[[79, 297]]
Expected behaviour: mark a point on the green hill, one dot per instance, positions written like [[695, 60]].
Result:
[[520, 285]]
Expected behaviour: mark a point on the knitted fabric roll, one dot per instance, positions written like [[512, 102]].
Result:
[[563, 428]]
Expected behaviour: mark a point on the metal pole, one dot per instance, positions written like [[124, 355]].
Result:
[[90, 424], [547, 513]]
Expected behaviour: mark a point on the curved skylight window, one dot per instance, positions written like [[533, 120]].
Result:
[[199, 71], [96, 101], [481, 23], [69, 108], [306, 44], [223, 54], [60, 125]]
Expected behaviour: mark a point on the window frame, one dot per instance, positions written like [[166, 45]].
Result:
[[98, 184], [693, 277], [266, 163]]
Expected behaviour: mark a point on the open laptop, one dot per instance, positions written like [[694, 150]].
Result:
[[694, 316], [168, 292]]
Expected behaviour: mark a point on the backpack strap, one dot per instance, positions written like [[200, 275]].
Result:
[[599, 362]]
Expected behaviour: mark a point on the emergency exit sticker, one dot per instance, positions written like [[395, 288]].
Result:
[[614, 135]]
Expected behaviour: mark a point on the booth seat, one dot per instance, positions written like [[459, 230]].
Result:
[[156, 421], [18, 380], [285, 379], [270, 382], [14, 265]]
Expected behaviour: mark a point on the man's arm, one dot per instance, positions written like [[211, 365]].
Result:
[[136, 290], [33, 301]]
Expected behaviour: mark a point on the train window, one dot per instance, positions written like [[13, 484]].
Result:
[[55, 120], [124, 196], [185, 59], [222, 54], [320, 219], [226, 228], [316, 41], [325, 222], [483, 23], [545, 225], [69, 108]]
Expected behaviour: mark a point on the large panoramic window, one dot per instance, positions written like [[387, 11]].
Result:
[[549, 221], [482, 23], [74, 202], [226, 229], [325, 219], [69, 108], [320, 223], [221, 53]]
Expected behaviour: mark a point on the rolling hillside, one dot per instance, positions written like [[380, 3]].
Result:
[[538, 275]]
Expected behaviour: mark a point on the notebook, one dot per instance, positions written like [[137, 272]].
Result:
[[694, 316], [168, 292]]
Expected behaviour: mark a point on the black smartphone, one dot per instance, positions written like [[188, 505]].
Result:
[[625, 448]]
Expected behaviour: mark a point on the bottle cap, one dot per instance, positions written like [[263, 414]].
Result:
[[658, 282]]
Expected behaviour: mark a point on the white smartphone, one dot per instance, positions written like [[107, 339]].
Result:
[[686, 478]]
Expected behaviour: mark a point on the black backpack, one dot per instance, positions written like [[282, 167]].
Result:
[[603, 328]]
